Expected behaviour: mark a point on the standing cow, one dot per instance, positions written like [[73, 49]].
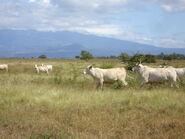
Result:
[[150, 75], [4, 67], [42, 68], [102, 76], [180, 72], [50, 67]]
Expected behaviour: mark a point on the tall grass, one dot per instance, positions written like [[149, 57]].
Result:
[[65, 104]]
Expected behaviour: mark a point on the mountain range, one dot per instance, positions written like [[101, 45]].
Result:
[[66, 44]]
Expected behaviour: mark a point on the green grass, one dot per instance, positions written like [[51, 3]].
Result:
[[65, 104]]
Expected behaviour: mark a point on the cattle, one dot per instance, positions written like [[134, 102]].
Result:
[[151, 75], [180, 72], [4, 67], [50, 67], [102, 76], [42, 68]]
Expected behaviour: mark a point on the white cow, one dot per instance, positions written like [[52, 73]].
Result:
[[50, 67], [106, 75], [150, 75], [4, 67], [180, 72], [42, 68]]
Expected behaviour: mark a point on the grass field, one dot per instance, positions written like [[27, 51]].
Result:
[[65, 103]]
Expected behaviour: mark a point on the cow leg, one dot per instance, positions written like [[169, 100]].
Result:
[[143, 82], [173, 82], [101, 84], [124, 82], [97, 85]]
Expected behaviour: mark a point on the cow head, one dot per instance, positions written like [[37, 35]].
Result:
[[88, 69], [137, 67], [36, 67]]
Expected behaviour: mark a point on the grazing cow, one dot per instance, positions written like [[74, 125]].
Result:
[[4, 67], [50, 67], [106, 75], [41, 68], [151, 75]]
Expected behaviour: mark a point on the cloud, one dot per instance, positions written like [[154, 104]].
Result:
[[99, 6], [85, 16], [170, 43], [171, 5]]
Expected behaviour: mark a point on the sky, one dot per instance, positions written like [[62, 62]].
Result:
[[156, 22]]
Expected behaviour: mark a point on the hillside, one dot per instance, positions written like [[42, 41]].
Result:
[[20, 43]]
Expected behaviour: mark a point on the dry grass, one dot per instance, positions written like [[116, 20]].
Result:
[[65, 104]]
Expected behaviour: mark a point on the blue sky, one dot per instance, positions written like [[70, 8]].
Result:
[[156, 22]]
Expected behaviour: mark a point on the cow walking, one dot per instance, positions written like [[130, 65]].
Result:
[[151, 75], [102, 76]]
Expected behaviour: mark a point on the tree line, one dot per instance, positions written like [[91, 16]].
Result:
[[124, 57]]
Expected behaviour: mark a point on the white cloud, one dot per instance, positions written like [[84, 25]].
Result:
[[86, 16], [101, 30], [170, 43], [172, 5], [162, 42]]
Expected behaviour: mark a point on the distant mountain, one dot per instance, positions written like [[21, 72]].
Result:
[[29, 43]]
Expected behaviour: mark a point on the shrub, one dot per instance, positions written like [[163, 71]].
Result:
[[118, 85], [137, 58], [150, 58], [124, 57], [42, 56], [130, 65], [107, 66]]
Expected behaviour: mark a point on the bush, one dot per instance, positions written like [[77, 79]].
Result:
[[150, 59], [167, 57], [143, 58], [124, 57], [107, 66], [130, 65], [42, 56], [137, 58], [118, 85]]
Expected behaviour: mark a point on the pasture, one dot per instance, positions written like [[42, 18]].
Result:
[[65, 103]]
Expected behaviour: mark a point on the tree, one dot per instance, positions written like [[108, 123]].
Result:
[[137, 58], [168, 57], [42, 56], [124, 57], [161, 56], [85, 55], [77, 57], [150, 58]]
